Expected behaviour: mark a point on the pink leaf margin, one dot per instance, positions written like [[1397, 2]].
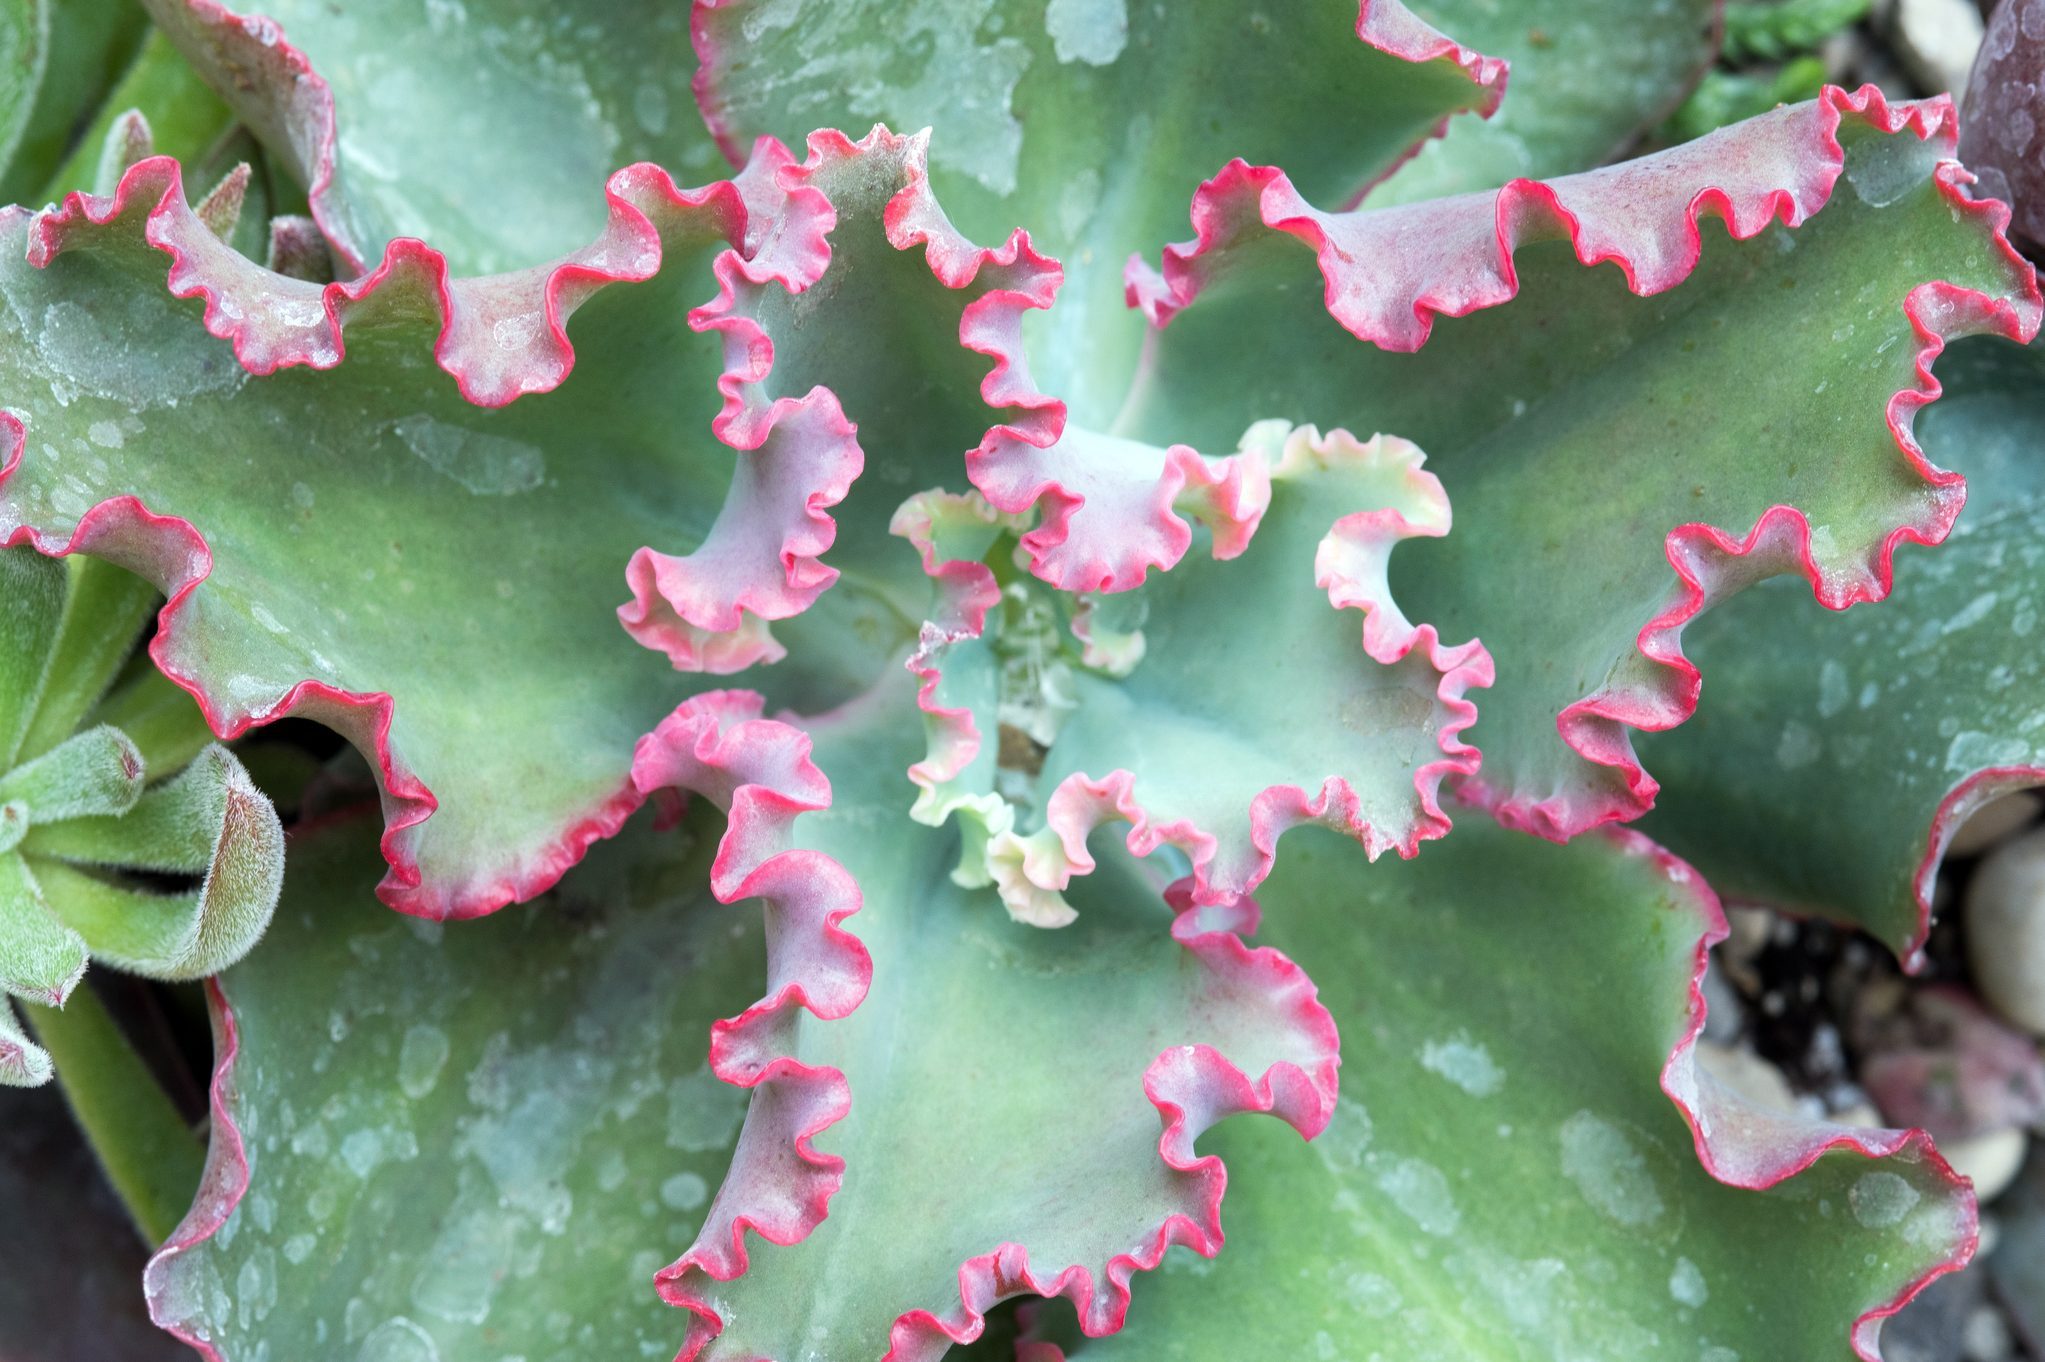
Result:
[[1620, 215], [1737, 1145], [1745, 1146], [274, 321], [1193, 1087], [795, 255], [1350, 565], [758, 771], [1386, 25], [222, 1183]]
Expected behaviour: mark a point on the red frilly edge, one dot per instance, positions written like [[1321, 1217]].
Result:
[[1193, 1087], [1389, 273], [1744, 1145], [1386, 25], [1350, 566], [774, 521], [499, 336], [1739, 1144], [759, 773]]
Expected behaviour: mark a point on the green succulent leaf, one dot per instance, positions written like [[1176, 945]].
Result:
[[1022, 1103], [426, 1136], [56, 56], [483, 128], [1565, 379], [1091, 122], [1640, 59], [104, 610], [209, 821], [77, 821], [1834, 756], [1502, 1177], [363, 546]]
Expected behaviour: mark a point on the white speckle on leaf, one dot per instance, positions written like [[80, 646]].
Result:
[[1799, 746], [684, 1192], [105, 434], [1879, 1200], [397, 1340], [1419, 1189], [1464, 1063], [420, 1060], [1090, 31], [1342, 1145], [1687, 1284], [1613, 1177], [1832, 688], [488, 465]]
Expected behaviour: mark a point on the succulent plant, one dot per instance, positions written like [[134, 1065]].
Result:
[[1035, 557]]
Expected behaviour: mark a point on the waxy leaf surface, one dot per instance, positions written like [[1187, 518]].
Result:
[[362, 546], [482, 1137], [1834, 756], [1588, 77], [1504, 1178], [1749, 416], [1022, 1103], [485, 128]]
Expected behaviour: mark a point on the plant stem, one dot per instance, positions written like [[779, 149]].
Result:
[[150, 1155]]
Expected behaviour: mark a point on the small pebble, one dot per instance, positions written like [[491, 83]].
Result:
[[1986, 1336], [1936, 41], [2006, 930], [1989, 1161]]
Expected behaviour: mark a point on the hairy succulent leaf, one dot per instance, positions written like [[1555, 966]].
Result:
[[76, 820], [421, 1134], [58, 54], [1579, 382], [1834, 757], [1502, 1178], [1005, 1133]]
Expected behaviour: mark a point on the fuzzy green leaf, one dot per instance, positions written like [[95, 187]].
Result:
[[210, 821], [33, 588]]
